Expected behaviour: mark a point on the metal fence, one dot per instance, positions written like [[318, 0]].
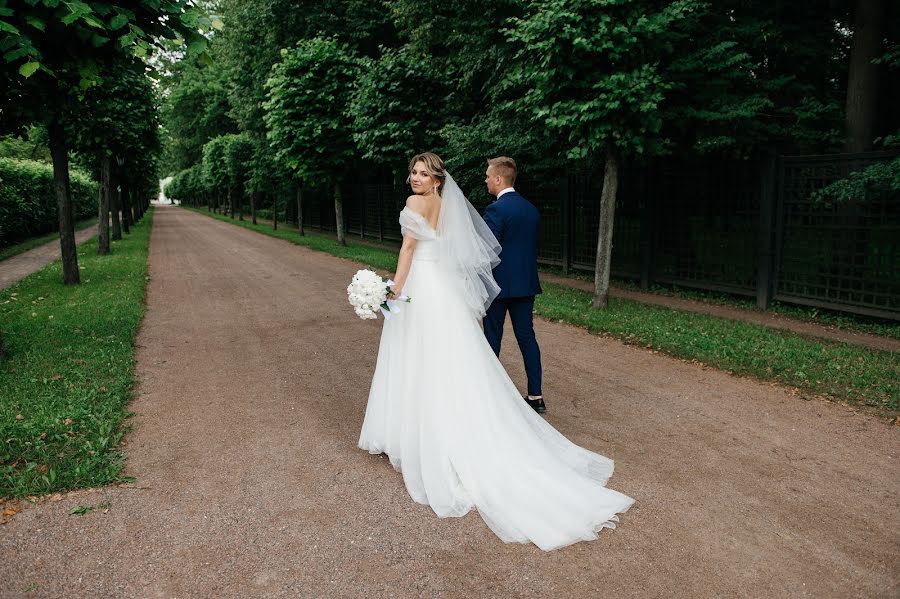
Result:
[[836, 255], [742, 227]]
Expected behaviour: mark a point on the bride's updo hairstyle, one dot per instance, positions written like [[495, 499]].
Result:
[[433, 164]]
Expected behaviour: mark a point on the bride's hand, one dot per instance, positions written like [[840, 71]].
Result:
[[395, 292]]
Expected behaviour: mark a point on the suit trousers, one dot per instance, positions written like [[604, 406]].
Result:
[[521, 313]]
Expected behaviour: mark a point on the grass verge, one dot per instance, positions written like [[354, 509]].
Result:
[[68, 370], [34, 242], [835, 370], [817, 367], [820, 316]]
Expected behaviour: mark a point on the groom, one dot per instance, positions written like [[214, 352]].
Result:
[[515, 223]]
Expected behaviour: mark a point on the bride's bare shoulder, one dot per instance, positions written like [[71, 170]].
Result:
[[416, 203]]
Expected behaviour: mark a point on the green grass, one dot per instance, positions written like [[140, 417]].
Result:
[[14, 250], [822, 316], [68, 371], [836, 370], [817, 367]]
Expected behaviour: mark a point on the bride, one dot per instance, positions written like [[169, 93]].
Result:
[[442, 407]]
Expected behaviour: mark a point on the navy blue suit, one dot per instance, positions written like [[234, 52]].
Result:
[[516, 224]]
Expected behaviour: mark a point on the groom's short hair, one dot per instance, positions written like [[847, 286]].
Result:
[[504, 167]]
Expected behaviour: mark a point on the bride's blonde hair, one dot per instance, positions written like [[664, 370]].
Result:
[[434, 165]]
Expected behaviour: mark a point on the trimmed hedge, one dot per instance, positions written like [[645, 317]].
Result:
[[28, 199]]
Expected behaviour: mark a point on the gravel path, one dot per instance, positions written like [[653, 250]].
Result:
[[21, 265], [249, 484]]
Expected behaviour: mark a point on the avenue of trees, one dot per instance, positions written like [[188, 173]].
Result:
[[76, 74], [322, 92], [271, 98]]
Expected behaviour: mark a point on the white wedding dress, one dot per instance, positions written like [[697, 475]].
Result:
[[446, 413]]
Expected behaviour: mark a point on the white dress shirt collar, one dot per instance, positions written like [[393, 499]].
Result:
[[506, 190]]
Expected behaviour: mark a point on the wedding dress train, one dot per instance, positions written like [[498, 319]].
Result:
[[446, 413]]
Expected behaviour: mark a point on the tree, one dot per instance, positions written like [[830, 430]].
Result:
[[194, 111], [186, 186], [53, 51], [238, 155], [264, 173], [638, 54], [863, 76], [259, 29], [118, 113], [609, 109], [468, 103], [392, 120], [215, 175], [306, 115]]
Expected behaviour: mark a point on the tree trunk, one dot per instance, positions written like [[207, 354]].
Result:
[[275, 212], [239, 200], [114, 204], [253, 199], [103, 229], [60, 153], [862, 75], [124, 204], [339, 215], [231, 202], [604, 234], [300, 210], [139, 207]]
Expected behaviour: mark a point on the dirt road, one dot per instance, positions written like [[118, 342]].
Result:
[[249, 484]]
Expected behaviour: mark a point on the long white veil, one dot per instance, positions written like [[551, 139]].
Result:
[[468, 248]]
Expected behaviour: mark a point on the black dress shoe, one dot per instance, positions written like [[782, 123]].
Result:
[[537, 404]]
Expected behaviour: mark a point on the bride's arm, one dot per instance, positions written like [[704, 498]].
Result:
[[404, 261]]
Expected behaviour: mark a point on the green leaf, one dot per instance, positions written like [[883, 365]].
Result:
[[14, 55], [92, 22], [28, 69], [118, 21], [4, 26], [205, 59], [198, 46], [80, 510], [36, 23]]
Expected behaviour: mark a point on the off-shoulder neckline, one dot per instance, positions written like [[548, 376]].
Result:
[[420, 217]]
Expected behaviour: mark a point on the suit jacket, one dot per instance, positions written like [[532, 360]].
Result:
[[516, 224]]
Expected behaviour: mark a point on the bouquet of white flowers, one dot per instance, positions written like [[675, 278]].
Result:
[[368, 293]]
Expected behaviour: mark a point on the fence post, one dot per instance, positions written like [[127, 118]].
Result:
[[646, 251], [766, 239], [364, 200], [380, 194], [565, 216]]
